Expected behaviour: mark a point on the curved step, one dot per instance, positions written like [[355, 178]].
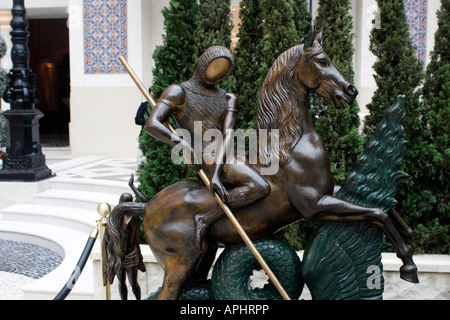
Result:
[[91, 185], [74, 218], [75, 198]]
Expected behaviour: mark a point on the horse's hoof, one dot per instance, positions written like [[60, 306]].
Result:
[[409, 273]]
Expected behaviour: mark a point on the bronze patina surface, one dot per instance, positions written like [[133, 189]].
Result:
[[302, 187]]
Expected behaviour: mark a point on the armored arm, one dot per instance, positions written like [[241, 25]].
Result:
[[172, 97]]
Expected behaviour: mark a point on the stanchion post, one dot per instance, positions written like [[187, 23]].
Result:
[[104, 209]]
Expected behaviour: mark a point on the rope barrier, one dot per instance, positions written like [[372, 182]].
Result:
[[79, 267], [103, 209]]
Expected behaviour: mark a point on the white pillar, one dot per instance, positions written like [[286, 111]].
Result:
[[364, 58], [432, 26]]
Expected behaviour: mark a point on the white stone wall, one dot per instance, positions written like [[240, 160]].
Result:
[[434, 278], [103, 106]]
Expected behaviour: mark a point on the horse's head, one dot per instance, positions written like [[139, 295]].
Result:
[[316, 73]]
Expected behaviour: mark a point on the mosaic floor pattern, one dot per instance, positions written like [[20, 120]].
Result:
[[117, 170], [22, 263], [27, 259]]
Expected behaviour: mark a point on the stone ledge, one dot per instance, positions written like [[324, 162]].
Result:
[[434, 277], [432, 263]]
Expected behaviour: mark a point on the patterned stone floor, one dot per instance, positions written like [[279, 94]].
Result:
[[116, 170], [20, 264], [11, 285], [27, 259]]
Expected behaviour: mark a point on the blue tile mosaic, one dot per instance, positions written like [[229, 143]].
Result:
[[416, 12], [105, 36]]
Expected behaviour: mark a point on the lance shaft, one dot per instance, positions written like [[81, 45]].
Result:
[[206, 181]]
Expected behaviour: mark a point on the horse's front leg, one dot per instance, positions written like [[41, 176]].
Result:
[[405, 231], [331, 208]]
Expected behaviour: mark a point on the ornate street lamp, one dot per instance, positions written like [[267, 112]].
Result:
[[24, 160]]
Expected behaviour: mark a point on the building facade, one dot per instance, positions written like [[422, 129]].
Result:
[[75, 46]]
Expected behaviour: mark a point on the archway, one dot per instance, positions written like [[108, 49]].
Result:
[[49, 60]]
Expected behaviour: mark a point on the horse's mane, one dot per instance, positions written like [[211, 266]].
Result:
[[278, 109]]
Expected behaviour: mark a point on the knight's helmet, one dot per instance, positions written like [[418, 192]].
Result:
[[205, 102], [214, 65]]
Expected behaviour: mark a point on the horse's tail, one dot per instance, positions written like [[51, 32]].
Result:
[[117, 239]]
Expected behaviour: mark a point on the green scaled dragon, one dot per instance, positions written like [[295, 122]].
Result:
[[338, 261]]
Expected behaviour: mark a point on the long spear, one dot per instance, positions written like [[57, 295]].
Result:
[[206, 181]]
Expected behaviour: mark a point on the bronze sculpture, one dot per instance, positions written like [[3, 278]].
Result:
[[199, 99], [129, 259], [302, 188]]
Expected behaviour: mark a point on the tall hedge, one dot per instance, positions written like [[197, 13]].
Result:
[[302, 18], [432, 233], [214, 26], [248, 61], [279, 33], [398, 71], [175, 57], [256, 34], [173, 61]]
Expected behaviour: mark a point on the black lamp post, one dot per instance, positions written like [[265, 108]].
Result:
[[24, 160]]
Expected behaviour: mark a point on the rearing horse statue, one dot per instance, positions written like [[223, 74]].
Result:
[[302, 187]]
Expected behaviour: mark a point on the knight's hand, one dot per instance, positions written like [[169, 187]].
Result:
[[217, 186]]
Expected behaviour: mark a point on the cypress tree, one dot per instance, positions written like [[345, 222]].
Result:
[[338, 127], [214, 26], [3, 73], [175, 57], [279, 31], [247, 62], [302, 18], [173, 61], [433, 232], [399, 71]]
